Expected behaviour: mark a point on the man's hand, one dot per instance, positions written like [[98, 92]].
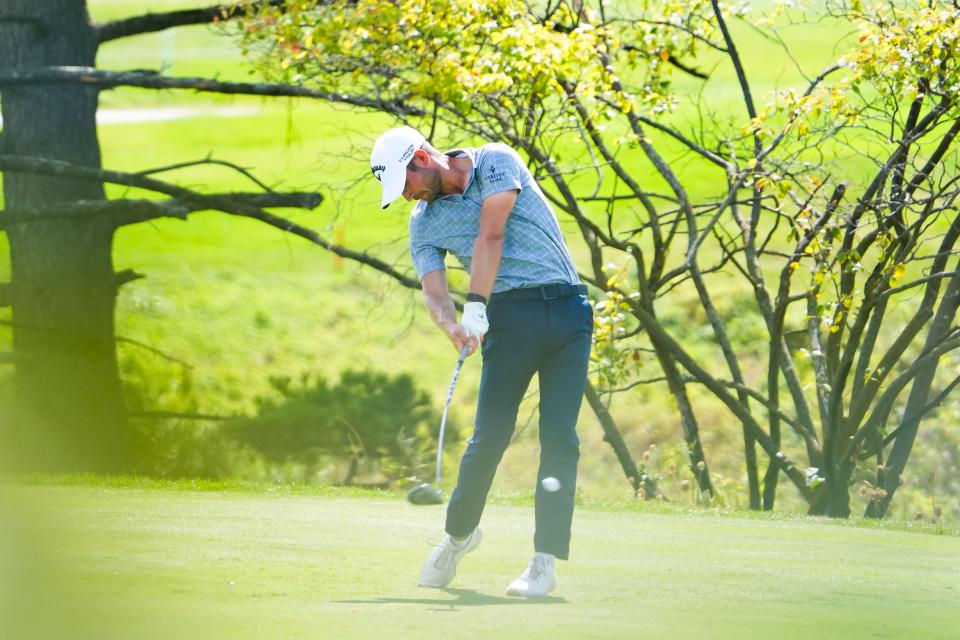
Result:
[[474, 319], [460, 338], [472, 327]]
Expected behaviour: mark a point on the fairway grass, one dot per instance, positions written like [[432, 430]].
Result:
[[98, 562]]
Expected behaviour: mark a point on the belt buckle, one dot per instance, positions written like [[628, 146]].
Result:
[[557, 287]]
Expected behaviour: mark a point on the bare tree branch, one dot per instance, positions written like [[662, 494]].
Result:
[[890, 394], [671, 60], [153, 22], [659, 335], [153, 350], [679, 27], [208, 160], [756, 395], [126, 276], [124, 211], [795, 115], [129, 211], [934, 159], [46, 166], [219, 202], [907, 420], [737, 62], [611, 435], [696, 73], [685, 141], [155, 80], [918, 282]]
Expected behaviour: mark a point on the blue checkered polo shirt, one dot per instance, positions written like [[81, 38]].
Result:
[[534, 252]]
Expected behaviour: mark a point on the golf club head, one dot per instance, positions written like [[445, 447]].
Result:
[[425, 494]]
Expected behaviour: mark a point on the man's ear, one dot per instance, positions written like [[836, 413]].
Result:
[[421, 158]]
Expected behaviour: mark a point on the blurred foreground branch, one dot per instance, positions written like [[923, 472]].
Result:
[[149, 79]]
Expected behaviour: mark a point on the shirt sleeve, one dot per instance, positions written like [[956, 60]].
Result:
[[425, 256], [427, 259], [500, 169]]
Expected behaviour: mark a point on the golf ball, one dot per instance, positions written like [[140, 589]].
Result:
[[550, 484]]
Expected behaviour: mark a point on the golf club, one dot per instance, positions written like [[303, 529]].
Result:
[[424, 493]]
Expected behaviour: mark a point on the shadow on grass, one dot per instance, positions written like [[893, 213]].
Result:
[[464, 598]]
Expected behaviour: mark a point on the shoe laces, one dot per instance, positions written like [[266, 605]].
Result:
[[537, 567], [446, 556]]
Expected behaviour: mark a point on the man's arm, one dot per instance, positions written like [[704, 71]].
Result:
[[437, 298], [488, 246]]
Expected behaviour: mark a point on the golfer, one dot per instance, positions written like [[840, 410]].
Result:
[[527, 312]]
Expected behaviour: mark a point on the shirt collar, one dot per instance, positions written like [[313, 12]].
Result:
[[458, 153]]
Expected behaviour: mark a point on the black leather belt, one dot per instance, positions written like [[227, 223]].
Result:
[[544, 292]]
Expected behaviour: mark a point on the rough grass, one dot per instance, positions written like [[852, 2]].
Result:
[[94, 561]]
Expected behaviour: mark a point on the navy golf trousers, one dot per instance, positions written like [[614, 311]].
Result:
[[545, 335]]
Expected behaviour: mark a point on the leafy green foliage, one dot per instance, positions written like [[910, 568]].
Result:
[[376, 421], [456, 51], [909, 49]]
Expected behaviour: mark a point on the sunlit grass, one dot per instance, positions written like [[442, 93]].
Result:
[[146, 562]]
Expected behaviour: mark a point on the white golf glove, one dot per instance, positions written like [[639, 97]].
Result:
[[474, 319]]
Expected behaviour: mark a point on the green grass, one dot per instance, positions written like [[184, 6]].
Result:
[[508, 498], [99, 562]]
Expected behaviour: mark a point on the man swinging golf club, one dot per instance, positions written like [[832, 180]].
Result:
[[483, 205]]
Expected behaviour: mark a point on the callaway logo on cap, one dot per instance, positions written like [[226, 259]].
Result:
[[388, 161]]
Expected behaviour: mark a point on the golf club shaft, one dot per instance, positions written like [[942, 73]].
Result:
[[443, 421]]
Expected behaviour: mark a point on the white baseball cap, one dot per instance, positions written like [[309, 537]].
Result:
[[388, 161]]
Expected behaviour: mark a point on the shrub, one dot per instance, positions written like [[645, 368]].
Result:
[[382, 425], [163, 446]]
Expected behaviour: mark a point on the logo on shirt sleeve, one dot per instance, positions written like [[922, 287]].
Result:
[[494, 174]]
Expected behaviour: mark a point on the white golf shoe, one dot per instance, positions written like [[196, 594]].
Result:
[[441, 566], [537, 580]]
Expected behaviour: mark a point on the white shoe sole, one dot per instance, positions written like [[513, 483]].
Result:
[[522, 593]]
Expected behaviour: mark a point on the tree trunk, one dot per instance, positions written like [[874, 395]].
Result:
[[71, 413], [611, 435], [688, 420], [833, 499]]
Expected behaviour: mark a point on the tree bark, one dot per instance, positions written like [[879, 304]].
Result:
[[71, 414], [833, 497]]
